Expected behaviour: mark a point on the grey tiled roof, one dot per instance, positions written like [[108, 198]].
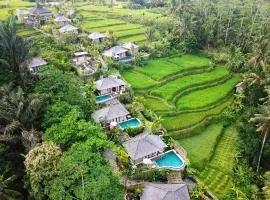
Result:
[[114, 51], [110, 112], [96, 35], [130, 46], [143, 145], [68, 28], [39, 9], [35, 62], [61, 18], [108, 82], [165, 192]]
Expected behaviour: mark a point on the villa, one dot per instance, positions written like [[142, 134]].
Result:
[[35, 64], [165, 192], [68, 28], [132, 48], [116, 52], [62, 20], [110, 85], [124, 51], [37, 16], [111, 113], [144, 147], [97, 37]]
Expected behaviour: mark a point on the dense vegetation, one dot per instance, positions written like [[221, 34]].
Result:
[[49, 147]]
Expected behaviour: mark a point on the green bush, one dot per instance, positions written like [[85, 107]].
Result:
[[134, 131], [151, 175]]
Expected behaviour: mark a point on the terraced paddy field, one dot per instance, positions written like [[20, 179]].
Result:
[[101, 19], [186, 91], [11, 6], [217, 173]]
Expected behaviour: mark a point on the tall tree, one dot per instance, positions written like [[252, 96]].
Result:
[[16, 50], [41, 164], [18, 110], [263, 125]]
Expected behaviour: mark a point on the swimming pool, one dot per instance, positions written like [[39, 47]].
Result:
[[103, 98], [134, 122], [170, 160]]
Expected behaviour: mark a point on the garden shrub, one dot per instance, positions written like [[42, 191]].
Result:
[[134, 131], [151, 175]]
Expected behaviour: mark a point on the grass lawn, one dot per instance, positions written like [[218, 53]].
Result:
[[171, 88], [186, 120], [156, 104], [205, 97], [138, 80], [199, 147], [160, 68]]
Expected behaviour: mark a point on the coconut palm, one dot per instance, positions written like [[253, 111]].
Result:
[[263, 125], [261, 51], [16, 50], [5, 191], [18, 111]]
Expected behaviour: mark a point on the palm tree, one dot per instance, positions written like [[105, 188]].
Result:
[[263, 125], [261, 51], [15, 48], [5, 191], [18, 111]]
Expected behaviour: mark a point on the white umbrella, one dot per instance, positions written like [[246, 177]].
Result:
[[147, 161]]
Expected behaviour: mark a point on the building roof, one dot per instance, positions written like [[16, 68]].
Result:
[[108, 82], [35, 62], [96, 35], [61, 18], [165, 192], [82, 53], [130, 46], [143, 145], [39, 9], [110, 112], [67, 28], [114, 51]]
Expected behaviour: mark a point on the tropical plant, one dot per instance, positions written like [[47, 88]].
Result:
[[41, 164], [6, 192], [259, 57], [263, 126], [83, 174], [16, 50], [19, 110]]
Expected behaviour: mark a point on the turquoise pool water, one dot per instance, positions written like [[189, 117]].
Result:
[[134, 122], [102, 98], [170, 160]]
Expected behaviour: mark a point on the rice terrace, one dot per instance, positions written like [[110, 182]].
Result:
[[134, 100]]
